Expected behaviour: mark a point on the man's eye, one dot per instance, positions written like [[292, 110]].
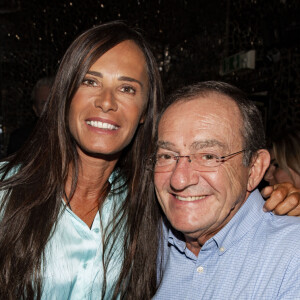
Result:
[[128, 89], [163, 156], [89, 82], [208, 156]]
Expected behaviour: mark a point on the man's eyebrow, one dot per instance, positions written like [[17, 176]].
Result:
[[121, 78], [165, 145], [206, 144]]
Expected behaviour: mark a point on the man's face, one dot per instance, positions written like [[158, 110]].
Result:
[[196, 202]]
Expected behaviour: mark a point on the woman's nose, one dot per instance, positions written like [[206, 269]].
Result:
[[106, 101]]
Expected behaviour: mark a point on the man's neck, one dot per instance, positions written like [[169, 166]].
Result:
[[195, 241]]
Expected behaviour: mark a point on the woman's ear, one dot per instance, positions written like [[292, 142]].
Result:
[[260, 163], [142, 119], [144, 113], [143, 116]]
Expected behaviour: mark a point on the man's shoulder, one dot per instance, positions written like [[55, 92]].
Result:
[[267, 223], [282, 229], [275, 222]]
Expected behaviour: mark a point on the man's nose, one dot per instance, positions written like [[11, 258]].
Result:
[[183, 175], [106, 100]]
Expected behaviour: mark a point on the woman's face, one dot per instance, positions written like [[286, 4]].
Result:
[[275, 174], [109, 104]]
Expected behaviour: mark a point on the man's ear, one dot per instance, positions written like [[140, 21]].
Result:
[[260, 163]]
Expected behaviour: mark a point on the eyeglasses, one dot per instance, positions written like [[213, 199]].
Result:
[[166, 162]]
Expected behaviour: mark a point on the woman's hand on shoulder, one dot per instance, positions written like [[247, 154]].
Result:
[[282, 199]]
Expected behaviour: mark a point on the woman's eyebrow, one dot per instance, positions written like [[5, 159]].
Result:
[[126, 78], [95, 73], [121, 78]]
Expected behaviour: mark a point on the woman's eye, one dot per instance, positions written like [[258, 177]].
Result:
[[128, 89], [89, 82]]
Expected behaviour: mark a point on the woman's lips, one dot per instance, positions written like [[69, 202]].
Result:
[[102, 124]]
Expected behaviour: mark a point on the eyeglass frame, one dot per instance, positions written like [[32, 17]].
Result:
[[220, 159]]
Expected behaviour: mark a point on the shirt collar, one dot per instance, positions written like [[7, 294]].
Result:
[[175, 238], [246, 217]]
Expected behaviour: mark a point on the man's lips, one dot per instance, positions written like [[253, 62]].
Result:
[[189, 198]]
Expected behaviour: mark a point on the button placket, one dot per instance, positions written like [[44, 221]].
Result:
[[200, 269]]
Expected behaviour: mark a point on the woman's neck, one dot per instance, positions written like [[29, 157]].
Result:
[[91, 187]]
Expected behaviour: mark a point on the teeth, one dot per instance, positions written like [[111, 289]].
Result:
[[102, 125], [193, 198]]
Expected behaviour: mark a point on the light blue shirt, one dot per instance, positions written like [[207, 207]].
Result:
[[255, 256]]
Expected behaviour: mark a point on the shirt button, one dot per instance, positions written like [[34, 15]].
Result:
[[85, 265], [200, 269], [96, 230], [222, 249]]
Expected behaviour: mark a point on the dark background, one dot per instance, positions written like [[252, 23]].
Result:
[[190, 40]]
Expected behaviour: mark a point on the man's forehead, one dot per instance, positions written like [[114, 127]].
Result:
[[201, 106], [208, 118], [209, 99]]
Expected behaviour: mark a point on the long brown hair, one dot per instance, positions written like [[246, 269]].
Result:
[[31, 196], [286, 149]]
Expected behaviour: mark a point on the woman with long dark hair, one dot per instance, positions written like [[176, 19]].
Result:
[[73, 200]]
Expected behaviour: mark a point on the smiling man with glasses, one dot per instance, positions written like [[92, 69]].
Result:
[[219, 243]]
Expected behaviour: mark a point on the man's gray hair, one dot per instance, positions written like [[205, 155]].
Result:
[[252, 131]]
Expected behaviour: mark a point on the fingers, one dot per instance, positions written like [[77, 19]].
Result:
[[284, 199], [276, 194], [294, 212], [289, 206], [267, 191]]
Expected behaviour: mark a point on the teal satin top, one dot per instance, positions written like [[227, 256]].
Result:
[[74, 266]]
